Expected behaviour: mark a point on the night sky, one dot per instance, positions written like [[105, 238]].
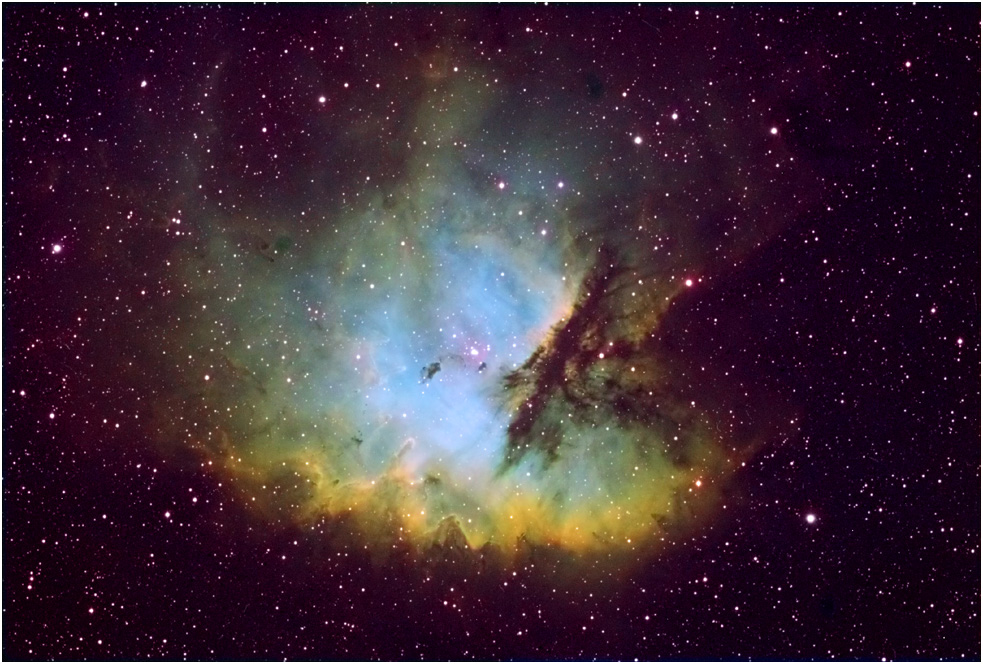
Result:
[[474, 332]]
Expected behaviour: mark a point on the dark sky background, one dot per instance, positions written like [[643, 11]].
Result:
[[473, 332]]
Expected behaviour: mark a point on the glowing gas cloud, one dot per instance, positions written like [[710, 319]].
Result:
[[458, 338]]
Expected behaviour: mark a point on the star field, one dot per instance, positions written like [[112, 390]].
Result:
[[473, 332]]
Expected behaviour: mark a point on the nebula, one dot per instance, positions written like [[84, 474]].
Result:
[[462, 333]]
